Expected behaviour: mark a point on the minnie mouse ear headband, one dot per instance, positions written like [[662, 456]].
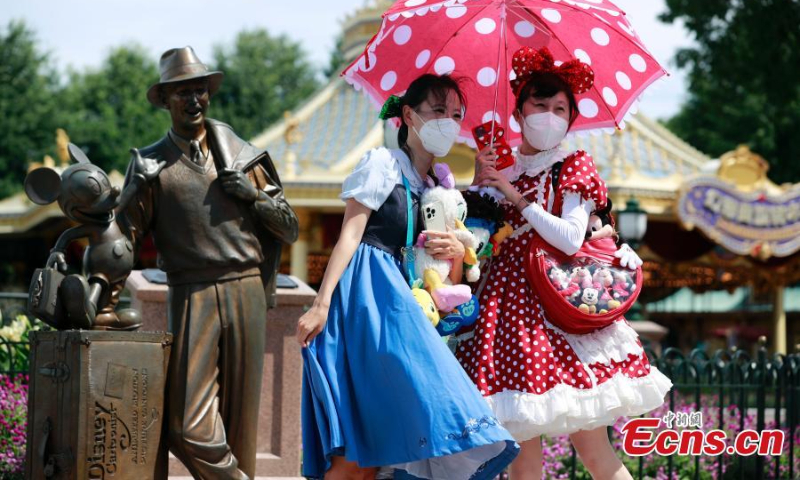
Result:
[[528, 61]]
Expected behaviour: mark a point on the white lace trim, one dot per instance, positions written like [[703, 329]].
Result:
[[533, 165], [614, 342], [456, 466], [521, 231], [565, 409]]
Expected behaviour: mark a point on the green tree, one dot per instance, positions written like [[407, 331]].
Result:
[[264, 77], [337, 61], [106, 110], [743, 79], [27, 106]]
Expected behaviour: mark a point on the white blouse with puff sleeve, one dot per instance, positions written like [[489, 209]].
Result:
[[376, 175]]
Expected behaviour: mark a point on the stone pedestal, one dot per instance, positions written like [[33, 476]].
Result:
[[150, 299], [96, 404], [279, 448]]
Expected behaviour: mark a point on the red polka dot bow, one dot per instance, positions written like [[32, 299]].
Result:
[[527, 61]]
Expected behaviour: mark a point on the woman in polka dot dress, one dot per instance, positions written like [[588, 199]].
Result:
[[537, 378]]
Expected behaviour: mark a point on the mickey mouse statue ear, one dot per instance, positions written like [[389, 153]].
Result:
[[77, 154], [43, 185]]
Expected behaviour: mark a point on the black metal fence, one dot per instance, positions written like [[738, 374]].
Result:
[[740, 391], [734, 391]]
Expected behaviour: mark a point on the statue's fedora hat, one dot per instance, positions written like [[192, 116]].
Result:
[[179, 65]]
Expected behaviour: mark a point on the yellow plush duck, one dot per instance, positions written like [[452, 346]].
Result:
[[426, 302]]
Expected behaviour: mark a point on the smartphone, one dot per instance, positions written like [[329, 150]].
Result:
[[483, 137], [482, 134], [479, 133], [433, 216]]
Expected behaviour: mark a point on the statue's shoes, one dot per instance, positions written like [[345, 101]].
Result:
[[124, 319], [75, 297]]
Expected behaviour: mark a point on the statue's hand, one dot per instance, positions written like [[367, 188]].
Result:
[[57, 260], [236, 184], [147, 168]]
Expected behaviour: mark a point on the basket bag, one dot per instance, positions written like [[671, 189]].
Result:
[[583, 292]]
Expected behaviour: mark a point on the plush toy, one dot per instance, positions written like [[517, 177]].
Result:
[[484, 220], [582, 277], [463, 316], [435, 273], [505, 231], [589, 297], [483, 231], [603, 277], [425, 301], [601, 223], [620, 290], [613, 304], [565, 287]]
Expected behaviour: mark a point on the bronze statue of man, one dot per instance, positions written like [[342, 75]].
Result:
[[218, 217]]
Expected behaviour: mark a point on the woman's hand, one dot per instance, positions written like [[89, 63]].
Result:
[[311, 324], [444, 246], [484, 159], [492, 178]]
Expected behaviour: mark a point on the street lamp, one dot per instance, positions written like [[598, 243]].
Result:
[[632, 222]]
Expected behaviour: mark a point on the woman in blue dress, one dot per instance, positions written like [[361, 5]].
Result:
[[381, 391]]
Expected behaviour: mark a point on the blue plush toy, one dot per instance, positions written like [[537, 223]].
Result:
[[463, 316]]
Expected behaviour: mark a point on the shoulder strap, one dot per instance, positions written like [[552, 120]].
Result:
[[556, 175]]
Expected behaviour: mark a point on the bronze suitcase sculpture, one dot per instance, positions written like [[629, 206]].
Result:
[[43, 299], [96, 404]]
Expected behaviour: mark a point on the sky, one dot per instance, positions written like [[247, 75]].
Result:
[[80, 33]]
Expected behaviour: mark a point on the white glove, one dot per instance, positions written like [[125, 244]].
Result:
[[627, 257]]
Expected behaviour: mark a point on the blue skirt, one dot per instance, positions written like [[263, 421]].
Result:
[[382, 389]]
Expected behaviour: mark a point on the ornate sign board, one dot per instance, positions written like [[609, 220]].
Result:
[[740, 216]]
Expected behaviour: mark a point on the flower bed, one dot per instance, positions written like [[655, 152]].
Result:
[[558, 456], [13, 423]]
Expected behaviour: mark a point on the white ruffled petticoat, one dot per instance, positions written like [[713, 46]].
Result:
[[565, 409]]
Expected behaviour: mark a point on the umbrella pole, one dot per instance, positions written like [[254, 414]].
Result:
[[502, 50]]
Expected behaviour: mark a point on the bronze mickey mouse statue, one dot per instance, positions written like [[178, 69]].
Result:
[[86, 196]]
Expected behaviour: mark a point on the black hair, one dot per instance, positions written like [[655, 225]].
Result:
[[547, 85], [419, 90]]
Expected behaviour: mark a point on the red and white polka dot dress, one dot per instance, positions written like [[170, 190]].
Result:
[[538, 379]]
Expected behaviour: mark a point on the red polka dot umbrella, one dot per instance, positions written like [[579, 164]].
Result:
[[476, 39]]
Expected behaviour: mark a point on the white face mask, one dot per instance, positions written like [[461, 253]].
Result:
[[544, 130], [438, 135]]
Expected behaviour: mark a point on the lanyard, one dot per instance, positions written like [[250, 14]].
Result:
[[408, 250]]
